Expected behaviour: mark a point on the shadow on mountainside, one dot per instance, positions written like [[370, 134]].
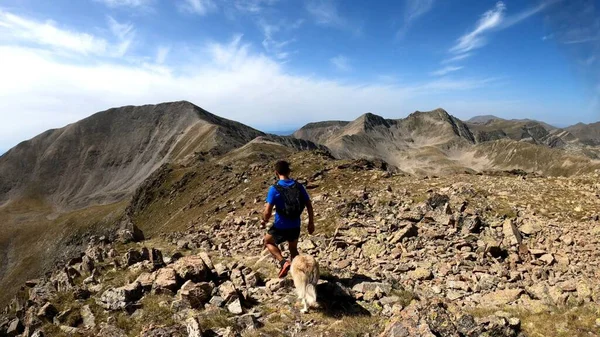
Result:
[[336, 298]]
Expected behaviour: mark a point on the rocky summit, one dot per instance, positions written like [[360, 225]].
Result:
[[501, 251]]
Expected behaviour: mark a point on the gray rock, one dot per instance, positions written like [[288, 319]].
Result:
[[235, 307], [195, 294], [191, 268], [120, 298], [365, 287], [193, 327]]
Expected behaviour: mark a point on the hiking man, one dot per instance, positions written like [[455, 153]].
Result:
[[289, 199]]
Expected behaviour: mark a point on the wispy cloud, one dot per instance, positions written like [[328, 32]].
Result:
[[445, 71], [414, 9], [161, 54], [24, 30], [326, 13], [341, 63], [274, 46], [126, 3], [475, 38], [457, 58], [124, 32], [253, 6], [200, 7]]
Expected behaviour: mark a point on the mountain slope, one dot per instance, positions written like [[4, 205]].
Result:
[[436, 142], [400, 142], [102, 158], [587, 133]]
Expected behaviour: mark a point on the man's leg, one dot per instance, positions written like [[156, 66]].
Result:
[[293, 249], [272, 247]]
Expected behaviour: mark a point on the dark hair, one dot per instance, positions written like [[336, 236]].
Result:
[[282, 167]]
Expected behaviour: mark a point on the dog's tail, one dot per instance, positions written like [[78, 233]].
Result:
[[311, 290], [305, 284]]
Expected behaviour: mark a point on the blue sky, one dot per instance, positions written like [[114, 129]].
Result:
[[278, 64]]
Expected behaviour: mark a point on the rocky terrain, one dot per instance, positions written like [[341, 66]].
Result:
[[498, 254], [507, 245]]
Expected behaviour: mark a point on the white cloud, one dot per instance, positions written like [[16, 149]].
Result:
[[49, 92], [17, 29], [124, 32], [274, 46], [253, 6], [326, 13], [161, 54], [200, 7], [126, 3], [495, 19], [457, 58], [341, 63], [445, 71], [475, 39], [413, 10]]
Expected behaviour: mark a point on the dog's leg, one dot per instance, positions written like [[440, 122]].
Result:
[[305, 309]]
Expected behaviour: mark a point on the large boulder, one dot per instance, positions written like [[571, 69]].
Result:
[[122, 297], [165, 280], [191, 268], [195, 294]]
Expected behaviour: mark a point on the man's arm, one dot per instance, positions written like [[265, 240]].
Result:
[[311, 217], [266, 216]]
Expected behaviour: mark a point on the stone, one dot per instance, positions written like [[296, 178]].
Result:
[[146, 280], [38, 333], [530, 228], [237, 278], [207, 261], [165, 280], [195, 294], [132, 257], [120, 298], [221, 270], [163, 331], [466, 326], [47, 311], [547, 258], [306, 245], [253, 280], [15, 327], [365, 287], [440, 321], [501, 297], [108, 330], [512, 236], [343, 264], [248, 322], [89, 320], [420, 274], [408, 231], [235, 307], [408, 324], [193, 327], [156, 258], [191, 268], [217, 301], [228, 291]]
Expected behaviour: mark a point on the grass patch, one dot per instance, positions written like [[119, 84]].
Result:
[[579, 321], [214, 319]]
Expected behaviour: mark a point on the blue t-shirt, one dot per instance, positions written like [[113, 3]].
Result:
[[274, 198]]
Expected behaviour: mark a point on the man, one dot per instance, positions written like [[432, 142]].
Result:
[[289, 199]]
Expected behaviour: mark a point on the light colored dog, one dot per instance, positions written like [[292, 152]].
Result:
[[305, 272]]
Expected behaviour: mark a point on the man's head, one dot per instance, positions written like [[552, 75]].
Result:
[[282, 168]]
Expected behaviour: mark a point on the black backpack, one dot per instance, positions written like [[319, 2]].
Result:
[[293, 200]]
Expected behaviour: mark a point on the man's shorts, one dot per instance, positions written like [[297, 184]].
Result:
[[282, 235]]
